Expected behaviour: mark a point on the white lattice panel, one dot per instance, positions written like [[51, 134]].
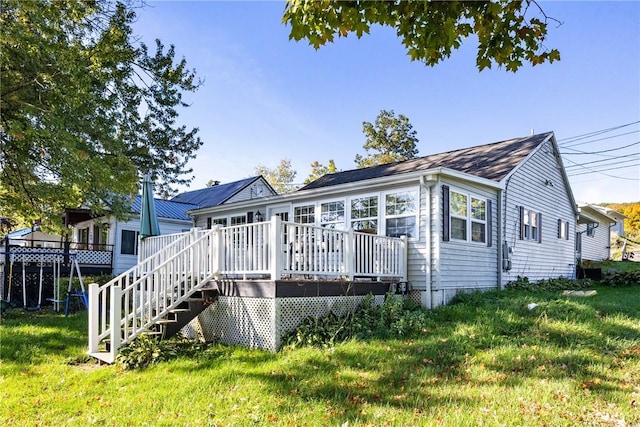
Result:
[[261, 322], [237, 321]]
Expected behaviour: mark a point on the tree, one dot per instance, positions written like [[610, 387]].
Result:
[[393, 139], [430, 30], [280, 178], [318, 170], [86, 110]]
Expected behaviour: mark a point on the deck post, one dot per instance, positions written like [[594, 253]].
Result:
[[114, 318], [275, 248], [94, 314], [218, 250], [350, 254], [404, 257]]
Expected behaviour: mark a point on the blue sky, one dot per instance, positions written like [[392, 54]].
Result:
[[266, 98]]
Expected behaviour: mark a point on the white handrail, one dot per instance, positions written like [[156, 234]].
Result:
[[135, 300]]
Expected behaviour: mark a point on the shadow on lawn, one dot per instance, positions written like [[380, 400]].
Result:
[[32, 337], [563, 338]]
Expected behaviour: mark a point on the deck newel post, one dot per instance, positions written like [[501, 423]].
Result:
[[218, 249], [275, 245], [404, 257], [350, 254], [94, 313], [114, 319]]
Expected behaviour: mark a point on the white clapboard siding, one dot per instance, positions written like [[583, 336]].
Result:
[[538, 185], [597, 246], [467, 265], [418, 254]]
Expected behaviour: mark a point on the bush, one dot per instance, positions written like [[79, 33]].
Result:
[[395, 317], [621, 278], [557, 284], [147, 350]]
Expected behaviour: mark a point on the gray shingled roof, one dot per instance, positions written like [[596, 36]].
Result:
[[491, 161], [214, 195]]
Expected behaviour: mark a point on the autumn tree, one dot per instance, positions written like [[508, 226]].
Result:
[[388, 139], [86, 110], [281, 177], [509, 32], [318, 170]]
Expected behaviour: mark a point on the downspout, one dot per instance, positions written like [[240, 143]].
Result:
[[428, 182]]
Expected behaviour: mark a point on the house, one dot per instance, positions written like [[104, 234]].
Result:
[[33, 238], [122, 237], [593, 239], [475, 218], [431, 227]]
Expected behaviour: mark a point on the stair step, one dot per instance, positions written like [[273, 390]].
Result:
[[179, 310], [165, 321], [104, 356]]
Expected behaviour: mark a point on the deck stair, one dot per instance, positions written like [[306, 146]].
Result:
[[158, 296]]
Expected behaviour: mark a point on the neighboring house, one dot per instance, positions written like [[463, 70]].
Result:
[[34, 238], [618, 227], [593, 239], [122, 237], [475, 218]]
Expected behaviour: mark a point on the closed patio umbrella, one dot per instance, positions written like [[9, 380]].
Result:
[[148, 220]]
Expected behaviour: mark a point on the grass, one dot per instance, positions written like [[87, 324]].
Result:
[[487, 360]]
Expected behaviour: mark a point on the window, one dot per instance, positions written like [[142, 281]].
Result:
[[591, 229], [238, 220], [563, 229], [83, 238], [304, 214], [400, 214], [129, 242], [364, 214], [216, 221], [530, 225], [332, 214], [466, 217]]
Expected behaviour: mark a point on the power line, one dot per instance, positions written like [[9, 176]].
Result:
[[632, 158], [594, 133], [600, 170], [579, 152], [596, 140]]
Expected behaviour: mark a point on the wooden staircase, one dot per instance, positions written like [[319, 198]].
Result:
[[180, 316]]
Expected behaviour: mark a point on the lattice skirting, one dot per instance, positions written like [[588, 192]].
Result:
[[262, 322]]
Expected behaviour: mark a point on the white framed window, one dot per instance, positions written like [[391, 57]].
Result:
[[530, 225], [466, 217], [401, 211], [304, 214], [238, 220], [563, 229], [364, 214], [332, 214]]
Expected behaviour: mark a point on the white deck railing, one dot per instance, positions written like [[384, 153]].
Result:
[[177, 265], [138, 298]]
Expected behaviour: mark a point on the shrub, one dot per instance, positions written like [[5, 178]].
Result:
[[622, 278], [395, 317], [146, 350], [557, 284]]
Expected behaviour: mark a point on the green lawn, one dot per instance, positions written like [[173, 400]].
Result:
[[488, 360]]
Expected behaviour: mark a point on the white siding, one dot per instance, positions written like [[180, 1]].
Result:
[[466, 265], [418, 255], [538, 185], [256, 190], [596, 247]]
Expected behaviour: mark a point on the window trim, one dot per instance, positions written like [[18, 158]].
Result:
[[447, 217], [527, 213], [136, 236], [416, 214]]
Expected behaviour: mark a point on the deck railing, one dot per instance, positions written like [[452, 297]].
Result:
[[180, 264], [138, 298]]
